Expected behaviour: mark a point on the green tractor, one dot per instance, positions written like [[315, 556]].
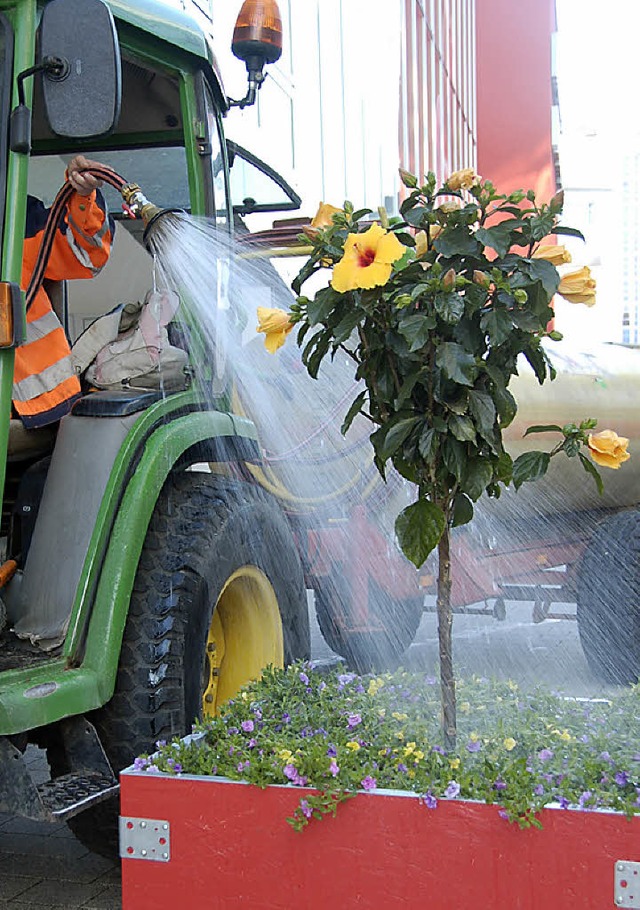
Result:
[[146, 575]]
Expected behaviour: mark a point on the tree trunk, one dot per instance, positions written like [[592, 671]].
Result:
[[445, 622]]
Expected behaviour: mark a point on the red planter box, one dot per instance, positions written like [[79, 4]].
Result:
[[229, 845]]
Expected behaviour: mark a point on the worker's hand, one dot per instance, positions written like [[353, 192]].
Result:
[[82, 182]]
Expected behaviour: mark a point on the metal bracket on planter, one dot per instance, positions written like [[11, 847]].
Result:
[[145, 838], [626, 884]]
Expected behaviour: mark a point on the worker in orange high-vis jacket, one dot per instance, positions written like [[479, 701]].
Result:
[[45, 385]]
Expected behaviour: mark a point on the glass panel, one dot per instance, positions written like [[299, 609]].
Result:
[[255, 187], [221, 210], [160, 172]]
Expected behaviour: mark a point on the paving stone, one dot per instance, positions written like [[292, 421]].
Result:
[[41, 845], [16, 825], [54, 893], [14, 885], [109, 899]]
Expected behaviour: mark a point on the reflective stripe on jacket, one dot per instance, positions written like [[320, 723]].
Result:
[[44, 382]]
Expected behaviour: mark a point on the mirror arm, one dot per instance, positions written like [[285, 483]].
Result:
[[56, 68]]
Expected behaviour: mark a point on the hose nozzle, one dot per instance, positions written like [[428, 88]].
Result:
[[138, 203]]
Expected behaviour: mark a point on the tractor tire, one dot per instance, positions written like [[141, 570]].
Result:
[[608, 599], [215, 549], [394, 625]]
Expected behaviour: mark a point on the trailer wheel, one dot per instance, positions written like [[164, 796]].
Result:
[[393, 626], [219, 594], [608, 599]]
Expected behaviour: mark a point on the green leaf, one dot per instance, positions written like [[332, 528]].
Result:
[[530, 466], [483, 411], [454, 456], [457, 241], [497, 324], [449, 306], [462, 428], [462, 510], [321, 306], [426, 443], [419, 528], [347, 324], [544, 272], [567, 231], [456, 363], [503, 468], [590, 468], [416, 329], [506, 405], [477, 477], [543, 428], [396, 435], [353, 411], [537, 362], [500, 237]]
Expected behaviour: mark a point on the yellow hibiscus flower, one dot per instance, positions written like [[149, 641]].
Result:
[[324, 216], [554, 253], [462, 180], [578, 287], [608, 449], [275, 324], [367, 260]]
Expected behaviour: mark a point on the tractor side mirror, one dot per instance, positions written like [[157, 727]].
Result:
[[79, 57]]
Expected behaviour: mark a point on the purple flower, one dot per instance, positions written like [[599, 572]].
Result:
[[439, 750], [353, 720], [499, 785], [545, 754], [474, 745], [305, 808], [584, 798], [564, 802], [247, 726], [538, 790], [333, 767], [606, 757], [502, 813], [290, 771], [140, 763], [257, 713], [344, 679], [153, 769], [402, 768], [368, 783], [453, 789], [286, 717], [635, 756], [622, 778], [322, 685], [430, 680], [332, 751], [252, 743], [429, 800]]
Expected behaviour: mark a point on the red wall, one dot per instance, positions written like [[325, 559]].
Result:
[[514, 94]]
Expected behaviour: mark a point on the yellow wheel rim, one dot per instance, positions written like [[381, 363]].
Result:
[[245, 636]]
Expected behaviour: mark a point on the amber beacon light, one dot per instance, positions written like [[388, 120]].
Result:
[[257, 40]]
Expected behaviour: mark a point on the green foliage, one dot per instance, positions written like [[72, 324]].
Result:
[[465, 307], [339, 733]]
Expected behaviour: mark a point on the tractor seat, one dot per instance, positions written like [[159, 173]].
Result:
[[25, 444]]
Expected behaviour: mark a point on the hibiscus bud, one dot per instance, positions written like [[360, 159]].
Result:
[[384, 218], [407, 178], [520, 296], [517, 196], [462, 180], [449, 280], [555, 336], [422, 246], [403, 300], [557, 202], [482, 279]]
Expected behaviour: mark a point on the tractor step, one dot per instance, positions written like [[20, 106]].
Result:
[[72, 793], [89, 778]]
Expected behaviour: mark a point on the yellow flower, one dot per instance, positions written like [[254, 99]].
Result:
[[367, 260], [454, 762], [418, 754], [374, 686], [462, 180], [400, 735], [276, 325], [465, 707], [409, 748], [286, 755], [324, 216], [422, 246], [608, 449], [474, 737], [397, 716], [452, 206], [353, 745], [509, 743], [565, 736], [578, 287], [553, 253]]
